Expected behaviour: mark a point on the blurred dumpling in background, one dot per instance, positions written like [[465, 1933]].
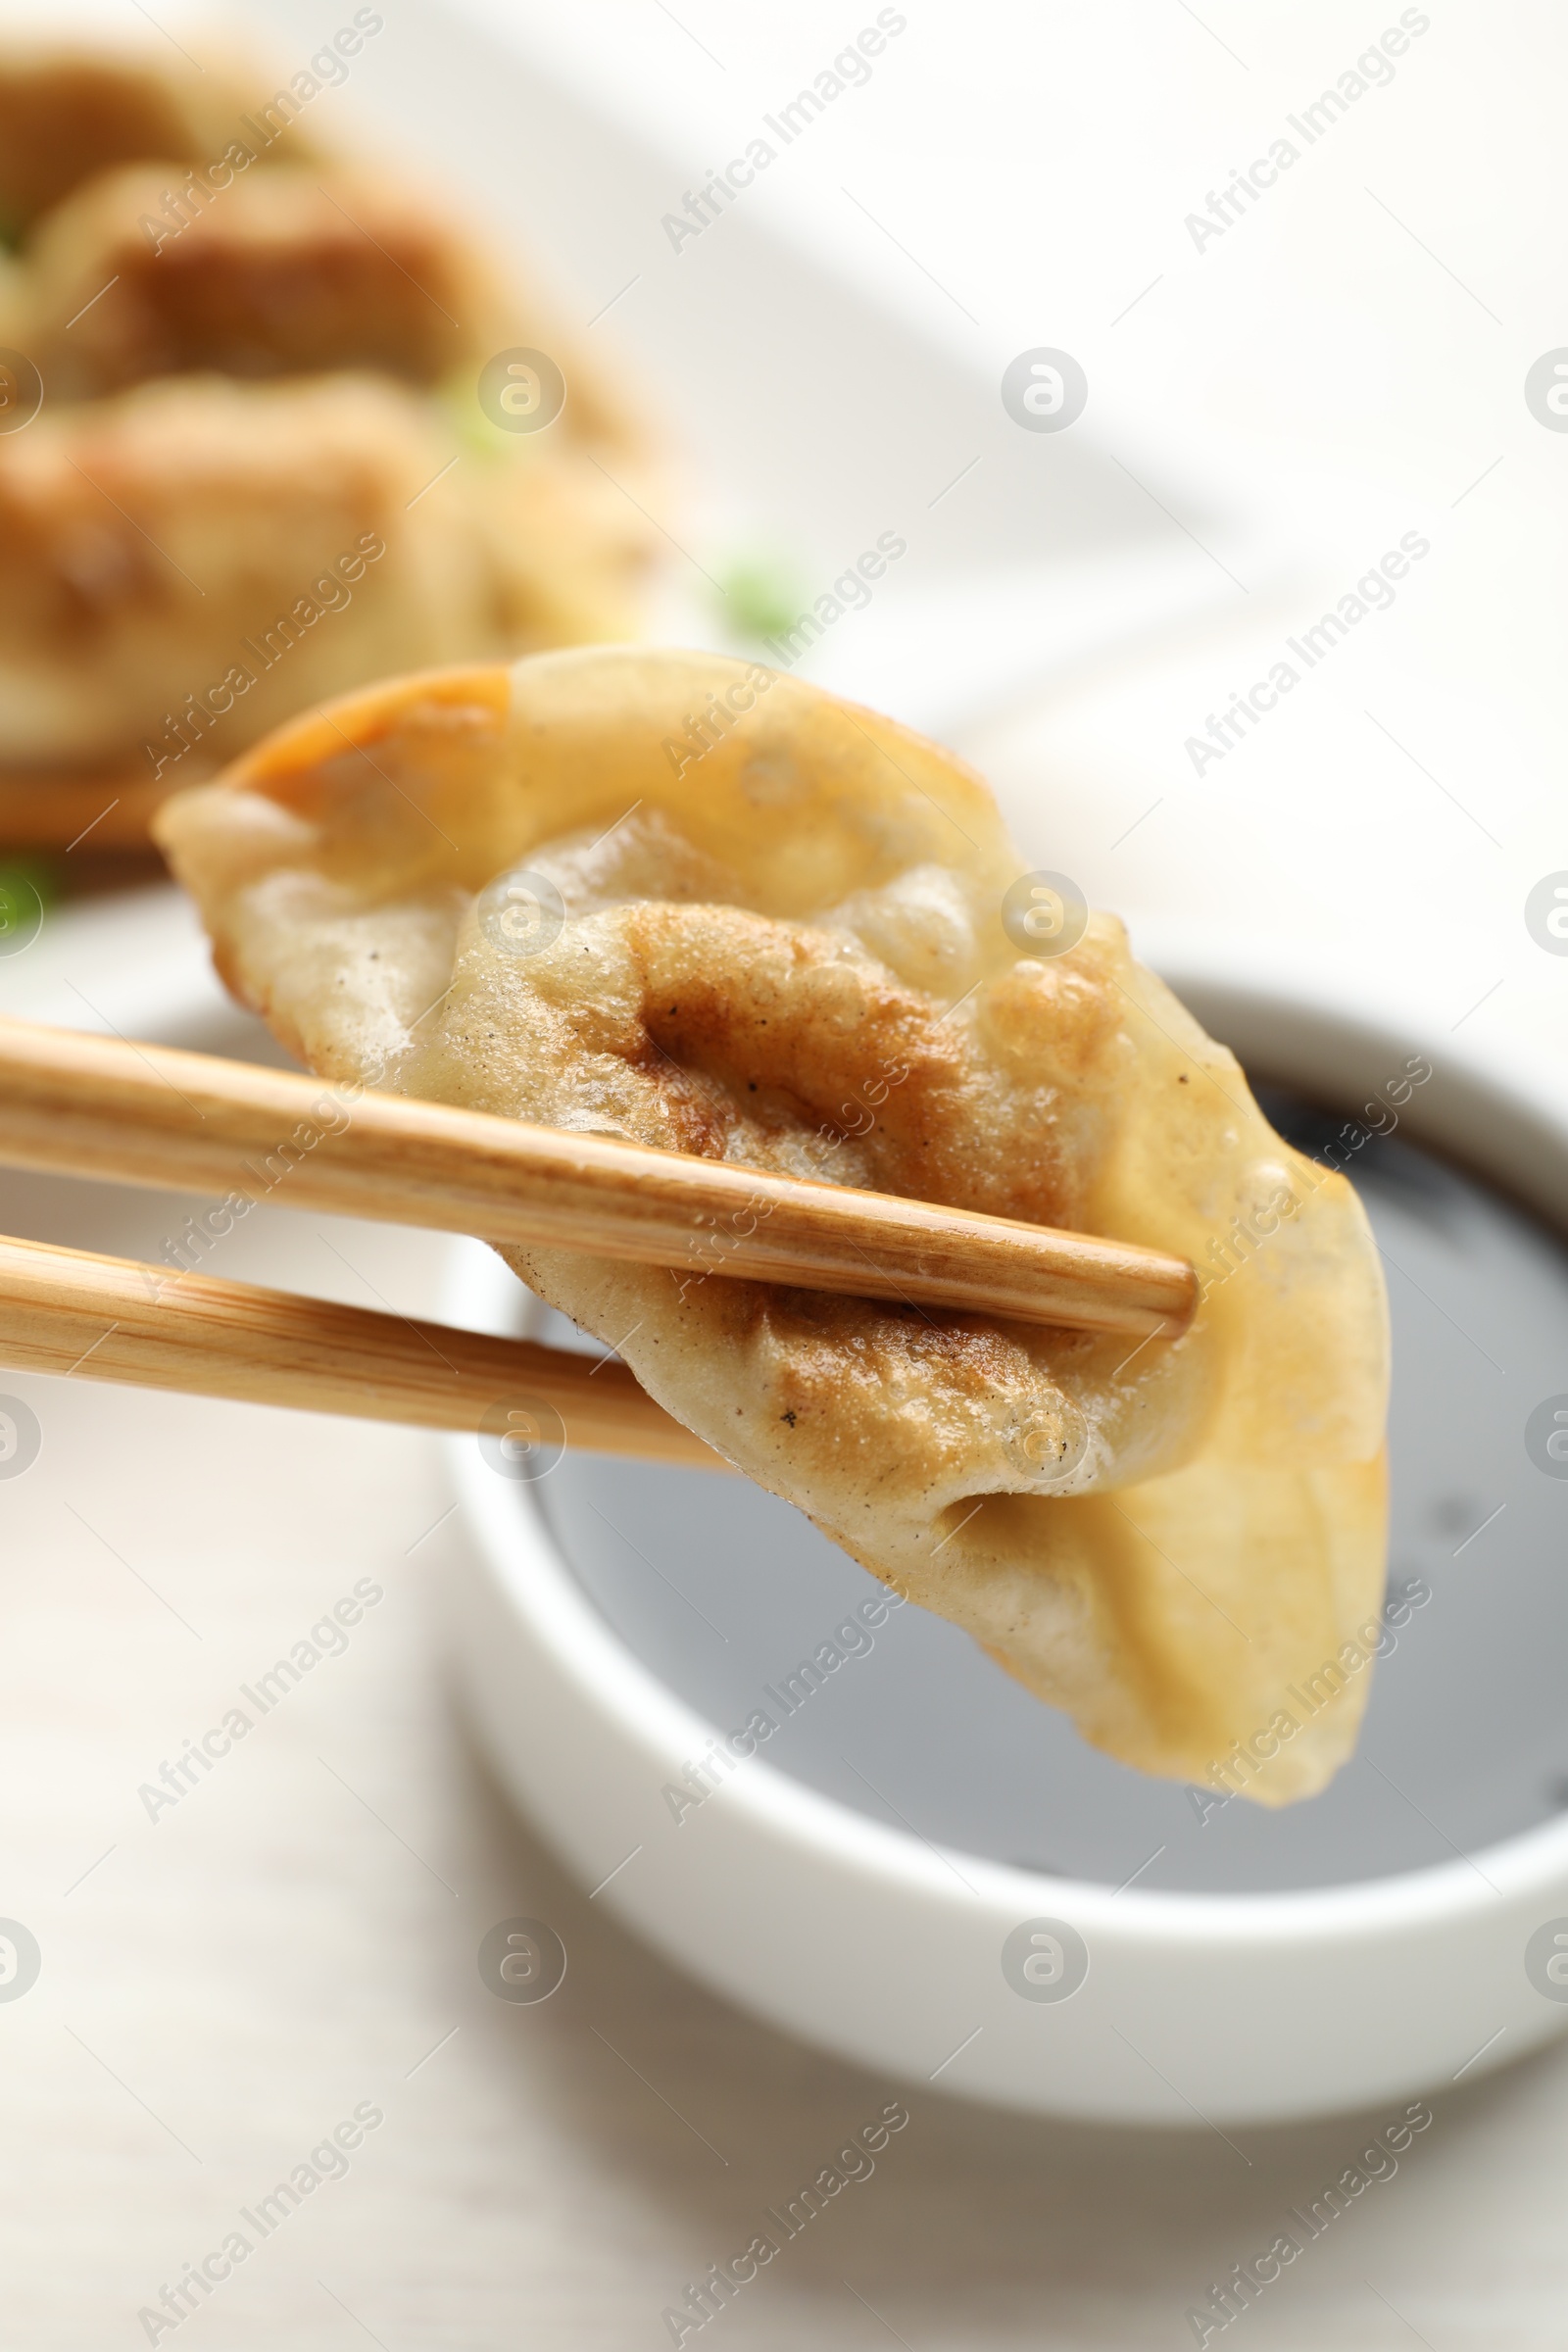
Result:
[[282, 272], [67, 112], [261, 472]]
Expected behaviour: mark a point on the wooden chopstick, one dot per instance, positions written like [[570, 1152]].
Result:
[[153, 1116], [74, 1314]]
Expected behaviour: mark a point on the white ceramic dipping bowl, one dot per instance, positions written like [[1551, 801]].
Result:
[[857, 1882]]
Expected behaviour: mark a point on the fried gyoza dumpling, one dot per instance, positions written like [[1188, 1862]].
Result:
[[249, 376], [69, 111], [280, 272], [714, 909], [185, 565], [288, 272]]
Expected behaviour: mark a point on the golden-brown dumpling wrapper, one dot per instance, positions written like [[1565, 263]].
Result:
[[783, 946]]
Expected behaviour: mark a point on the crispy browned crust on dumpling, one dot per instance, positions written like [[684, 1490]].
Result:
[[782, 946]]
